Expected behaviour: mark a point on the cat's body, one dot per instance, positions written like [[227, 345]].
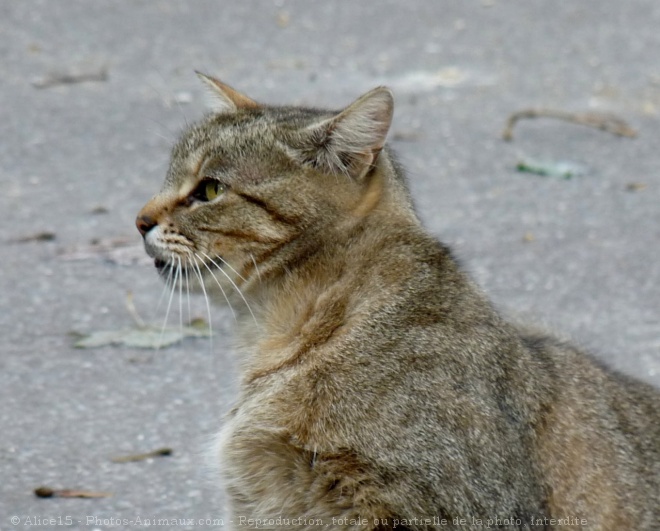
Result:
[[380, 389]]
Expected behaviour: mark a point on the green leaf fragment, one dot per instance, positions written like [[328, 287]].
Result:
[[561, 169]]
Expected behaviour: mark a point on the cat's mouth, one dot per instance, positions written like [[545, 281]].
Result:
[[177, 268], [168, 268]]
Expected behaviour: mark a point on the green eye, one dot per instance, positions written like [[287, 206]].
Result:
[[208, 190], [212, 189]]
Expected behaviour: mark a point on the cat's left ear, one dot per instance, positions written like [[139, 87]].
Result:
[[224, 98], [349, 142]]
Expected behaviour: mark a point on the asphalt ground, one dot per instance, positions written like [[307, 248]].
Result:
[[93, 94]]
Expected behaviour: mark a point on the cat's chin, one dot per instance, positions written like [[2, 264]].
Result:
[[160, 264], [165, 268]]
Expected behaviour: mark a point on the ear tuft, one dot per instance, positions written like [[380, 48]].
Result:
[[225, 99], [365, 123], [349, 142]]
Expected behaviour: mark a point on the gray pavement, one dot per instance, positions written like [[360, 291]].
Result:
[[77, 160]]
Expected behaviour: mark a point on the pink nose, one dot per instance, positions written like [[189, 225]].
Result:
[[144, 224]]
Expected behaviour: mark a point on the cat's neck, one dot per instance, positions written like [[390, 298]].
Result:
[[331, 286]]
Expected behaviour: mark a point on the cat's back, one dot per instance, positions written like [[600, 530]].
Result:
[[597, 439]]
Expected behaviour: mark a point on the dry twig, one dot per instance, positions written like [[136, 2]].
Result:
[[47, 492], [604, 122]]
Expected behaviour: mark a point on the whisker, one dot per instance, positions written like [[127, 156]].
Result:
[[166, 284], [206, 298], [180, 297], [169, 304], [256, 267], [218, 283], [188, 290], [228, 265], [234, 285], [159, 135]]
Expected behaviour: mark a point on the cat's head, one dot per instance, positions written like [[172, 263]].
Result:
[[251, 188]]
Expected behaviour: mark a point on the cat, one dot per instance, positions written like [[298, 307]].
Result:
[[379, 388]]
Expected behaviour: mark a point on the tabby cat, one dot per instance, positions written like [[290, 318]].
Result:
[[379, 387]]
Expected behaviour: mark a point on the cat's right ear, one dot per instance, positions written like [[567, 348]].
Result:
[[225, 99], [349, 142]]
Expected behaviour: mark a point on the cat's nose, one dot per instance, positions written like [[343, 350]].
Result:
[[145, 223]]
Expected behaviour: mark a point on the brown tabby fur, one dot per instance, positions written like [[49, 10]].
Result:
[[379, 387]]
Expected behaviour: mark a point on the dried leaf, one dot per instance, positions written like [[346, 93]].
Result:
[[160, 452], [406, 136], [69, 78], [148, 337], [45, 236], [142, 335], [635, 187], [422, 80], [283, 19]]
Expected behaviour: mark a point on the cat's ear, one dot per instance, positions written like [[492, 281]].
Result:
[[350, 142], [224, 98]]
